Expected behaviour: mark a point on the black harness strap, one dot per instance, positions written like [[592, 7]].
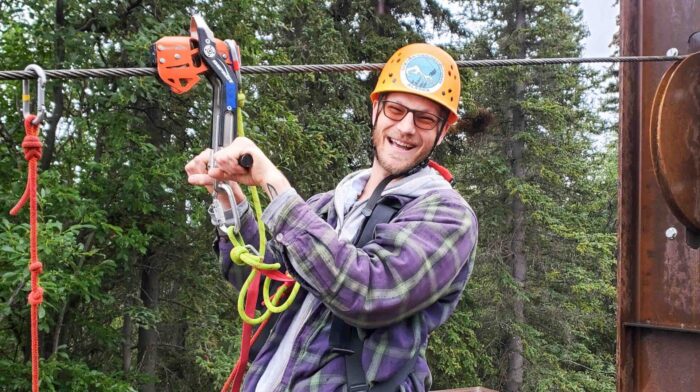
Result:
[[344, 338]]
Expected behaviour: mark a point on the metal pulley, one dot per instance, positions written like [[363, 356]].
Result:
[[180, 62], [675, 142]]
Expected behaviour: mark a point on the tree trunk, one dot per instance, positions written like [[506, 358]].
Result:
[[518, 260], [127, 329], [148, 337], [380, 7], [59, 58]]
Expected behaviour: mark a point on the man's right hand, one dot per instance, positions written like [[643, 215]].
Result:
[[197, 174]]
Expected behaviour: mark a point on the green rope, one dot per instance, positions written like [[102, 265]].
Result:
[[241, 255]]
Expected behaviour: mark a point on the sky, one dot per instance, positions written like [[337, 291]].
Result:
[[599, 16]]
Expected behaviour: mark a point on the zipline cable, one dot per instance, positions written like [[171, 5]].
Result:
[[326, 68]]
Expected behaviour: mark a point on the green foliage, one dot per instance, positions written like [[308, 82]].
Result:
[[564, 182], [455, 353], [117, 218]]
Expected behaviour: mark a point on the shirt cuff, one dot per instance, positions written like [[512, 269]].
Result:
[[278, 207], [243, 208]]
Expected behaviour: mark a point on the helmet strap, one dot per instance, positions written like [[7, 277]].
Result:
[[379, 110]]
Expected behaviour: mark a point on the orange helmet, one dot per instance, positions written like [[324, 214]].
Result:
[[425, 70]]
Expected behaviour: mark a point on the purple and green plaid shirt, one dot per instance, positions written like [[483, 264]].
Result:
[[397, 288]]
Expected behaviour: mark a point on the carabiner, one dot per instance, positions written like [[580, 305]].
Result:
[[40, 89], [219, 218]]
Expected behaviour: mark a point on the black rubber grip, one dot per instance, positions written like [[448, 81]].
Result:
[[246, 160]]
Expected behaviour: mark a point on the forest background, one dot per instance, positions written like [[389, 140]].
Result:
[[134, 299]]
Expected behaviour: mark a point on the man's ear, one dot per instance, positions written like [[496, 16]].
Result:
[[445, 130]]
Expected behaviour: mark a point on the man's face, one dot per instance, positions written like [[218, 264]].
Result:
[[400, 144]]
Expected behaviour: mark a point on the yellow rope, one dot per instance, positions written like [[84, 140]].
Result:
[[241, 255]]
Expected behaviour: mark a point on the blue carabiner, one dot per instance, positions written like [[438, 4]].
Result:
[[40, 90]]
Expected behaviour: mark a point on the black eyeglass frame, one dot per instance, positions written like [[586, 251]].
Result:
[[439, 120]]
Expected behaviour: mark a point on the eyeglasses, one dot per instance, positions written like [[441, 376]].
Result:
[[422, 120]]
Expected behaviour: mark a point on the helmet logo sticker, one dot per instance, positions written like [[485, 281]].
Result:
[[422, 72]]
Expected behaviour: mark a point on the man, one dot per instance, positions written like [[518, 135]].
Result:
[[399, 286]]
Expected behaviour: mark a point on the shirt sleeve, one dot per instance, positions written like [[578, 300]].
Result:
[[222, 246], [411, 263]]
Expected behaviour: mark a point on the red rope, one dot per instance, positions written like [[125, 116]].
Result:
[[32, 153], [235, 379]]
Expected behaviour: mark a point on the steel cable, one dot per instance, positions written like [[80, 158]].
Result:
[[326, 68]]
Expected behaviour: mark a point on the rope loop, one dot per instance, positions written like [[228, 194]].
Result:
[[29, 127]]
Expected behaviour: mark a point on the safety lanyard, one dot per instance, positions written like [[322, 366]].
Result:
[[180, 62]]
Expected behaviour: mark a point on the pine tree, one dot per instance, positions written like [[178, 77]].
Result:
[[545, 272]]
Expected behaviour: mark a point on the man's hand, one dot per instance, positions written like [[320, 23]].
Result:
[[197, 174], [263, 173]]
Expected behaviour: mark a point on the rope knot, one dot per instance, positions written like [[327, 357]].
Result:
[[32, 147], [36, 267], [236, 254], [36, 296]]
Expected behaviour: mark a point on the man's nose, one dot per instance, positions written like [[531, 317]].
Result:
[[406, 124]]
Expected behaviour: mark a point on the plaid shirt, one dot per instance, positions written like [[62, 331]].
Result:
[[397, 288]]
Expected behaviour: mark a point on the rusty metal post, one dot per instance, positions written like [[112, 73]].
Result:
[[658, 321]]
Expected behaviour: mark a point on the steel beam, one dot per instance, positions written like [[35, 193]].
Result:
[[658, 345]]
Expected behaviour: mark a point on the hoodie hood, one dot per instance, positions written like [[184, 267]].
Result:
[[350, 188]]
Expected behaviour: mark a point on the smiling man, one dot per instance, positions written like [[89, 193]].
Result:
[[383, 259]]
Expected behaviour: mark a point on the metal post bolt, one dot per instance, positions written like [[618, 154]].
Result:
[[671, 233]]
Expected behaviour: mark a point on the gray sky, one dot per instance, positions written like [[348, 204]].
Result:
[[599, 16]]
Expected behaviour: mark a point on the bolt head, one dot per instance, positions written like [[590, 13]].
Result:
[[177, 56], [162, 60], [671, 233], [209, 51], [672, 52]]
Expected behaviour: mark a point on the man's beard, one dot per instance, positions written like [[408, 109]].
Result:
[[390, 168]]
